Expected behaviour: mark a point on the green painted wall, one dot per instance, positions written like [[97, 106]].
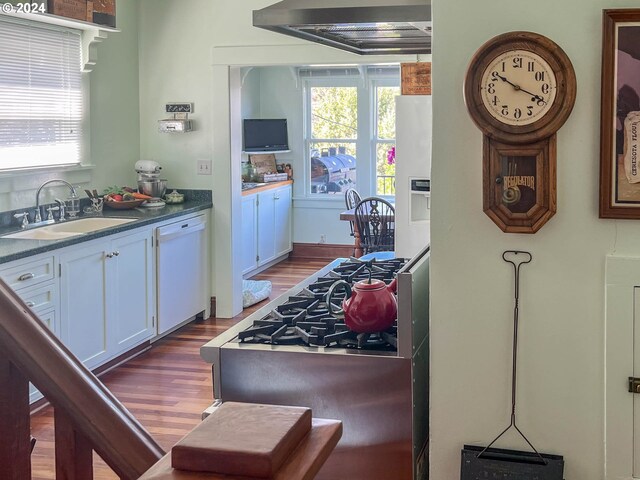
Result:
[[115, 106], [561, 403]]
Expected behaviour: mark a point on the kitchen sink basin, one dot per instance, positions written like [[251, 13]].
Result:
[[68, 229], [41, 234], [87, 225]]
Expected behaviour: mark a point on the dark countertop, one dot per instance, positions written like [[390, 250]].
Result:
[[14, 249]]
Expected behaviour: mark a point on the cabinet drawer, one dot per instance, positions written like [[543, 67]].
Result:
[[39, 298], [27, 274]]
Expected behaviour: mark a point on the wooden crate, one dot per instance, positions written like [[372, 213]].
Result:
[[76, 9], [264, 163], [416, 78], [101, 12], [104, 12]]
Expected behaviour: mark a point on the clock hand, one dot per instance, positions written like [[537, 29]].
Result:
[[534, 97], [504, 79]]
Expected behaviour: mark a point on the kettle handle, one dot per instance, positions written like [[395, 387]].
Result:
[[333, 309]]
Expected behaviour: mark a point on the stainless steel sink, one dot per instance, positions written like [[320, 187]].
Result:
[[68, 229], [87, 225], [41, 234]]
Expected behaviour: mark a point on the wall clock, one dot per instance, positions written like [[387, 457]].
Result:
[[520, 88]]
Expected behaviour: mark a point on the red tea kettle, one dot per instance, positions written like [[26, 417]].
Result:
[[369, 307]]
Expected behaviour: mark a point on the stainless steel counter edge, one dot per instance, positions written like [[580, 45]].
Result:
[[210, 349], [15, 249]]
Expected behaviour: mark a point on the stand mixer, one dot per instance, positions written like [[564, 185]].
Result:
[[149, 181]]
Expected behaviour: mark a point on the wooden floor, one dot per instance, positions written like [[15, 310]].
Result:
[[168, 386]]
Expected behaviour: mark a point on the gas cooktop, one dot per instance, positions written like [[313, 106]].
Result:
[[304, 318]]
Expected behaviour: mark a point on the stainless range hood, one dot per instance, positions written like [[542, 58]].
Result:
[[365, 27]]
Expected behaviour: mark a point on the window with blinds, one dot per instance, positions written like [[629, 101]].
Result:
[[40, 95]]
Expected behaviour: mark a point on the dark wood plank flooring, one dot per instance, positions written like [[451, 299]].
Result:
[[168, 386]]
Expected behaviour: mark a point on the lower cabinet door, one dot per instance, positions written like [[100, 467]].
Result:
[[282, 216], [249, 233], [131, 317], [50, 320], [84, 291], [266, 227]]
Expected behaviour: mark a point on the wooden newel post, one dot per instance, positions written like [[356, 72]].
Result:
[[15, 444]]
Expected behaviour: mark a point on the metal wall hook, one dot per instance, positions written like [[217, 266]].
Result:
[[516, 258]]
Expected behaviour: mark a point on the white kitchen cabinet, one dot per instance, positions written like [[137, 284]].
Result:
[[106, 290], [282, 219], [266, 227], [249, 233], [99, 296], [84, 290], [35, 282], [132, 313]]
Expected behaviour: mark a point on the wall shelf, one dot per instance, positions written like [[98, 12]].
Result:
[[92, 33], [61, 21]]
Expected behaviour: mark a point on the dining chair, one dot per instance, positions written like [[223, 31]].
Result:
[[375, 221], [351, 199]]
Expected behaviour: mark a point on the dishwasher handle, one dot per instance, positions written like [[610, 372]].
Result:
[[165, 235]]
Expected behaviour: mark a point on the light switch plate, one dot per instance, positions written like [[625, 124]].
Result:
[[204, 167]]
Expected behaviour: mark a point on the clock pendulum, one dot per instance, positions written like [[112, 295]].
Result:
[[520, 88]]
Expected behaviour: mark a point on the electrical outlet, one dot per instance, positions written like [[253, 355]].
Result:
[[204, 167], [323, 238]]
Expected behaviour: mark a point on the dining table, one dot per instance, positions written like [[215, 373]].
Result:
[[350, 216]]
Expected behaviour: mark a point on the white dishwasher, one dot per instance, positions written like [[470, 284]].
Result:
[[181, 271]]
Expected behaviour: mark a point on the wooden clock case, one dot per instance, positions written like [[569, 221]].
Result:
[[531, 148]]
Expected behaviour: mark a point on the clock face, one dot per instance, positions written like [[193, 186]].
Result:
[[518, 87]]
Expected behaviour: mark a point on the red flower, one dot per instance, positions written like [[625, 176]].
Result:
[[391, 156]]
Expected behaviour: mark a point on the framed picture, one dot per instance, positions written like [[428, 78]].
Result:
[[415, 78], [620, 115]]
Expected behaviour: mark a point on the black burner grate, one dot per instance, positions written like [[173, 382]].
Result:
[[305, 319]]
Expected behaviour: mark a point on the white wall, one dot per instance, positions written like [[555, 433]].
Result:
[[187, 48], [115, 111], [250, 93], [561, 401], [175, 66]]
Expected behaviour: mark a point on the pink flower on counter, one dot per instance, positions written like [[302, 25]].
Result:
[[391, 156]]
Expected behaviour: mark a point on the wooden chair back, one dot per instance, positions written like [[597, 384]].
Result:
[[375, 220]]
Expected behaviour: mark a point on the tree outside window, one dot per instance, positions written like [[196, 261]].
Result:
[[334, 129]]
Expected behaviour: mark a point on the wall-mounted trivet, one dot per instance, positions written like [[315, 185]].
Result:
[[488, 463]]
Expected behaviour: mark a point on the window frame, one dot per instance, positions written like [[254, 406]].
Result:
[[83, 138], [376, 82], [366, 172]]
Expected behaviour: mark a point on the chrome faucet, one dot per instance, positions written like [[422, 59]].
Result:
[[73, 195]]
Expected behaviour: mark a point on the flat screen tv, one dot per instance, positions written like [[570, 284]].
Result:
[[265, 135]]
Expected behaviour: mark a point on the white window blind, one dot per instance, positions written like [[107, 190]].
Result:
[[40, 95]]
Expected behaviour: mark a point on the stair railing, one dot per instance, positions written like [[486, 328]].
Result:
[[87, 415]]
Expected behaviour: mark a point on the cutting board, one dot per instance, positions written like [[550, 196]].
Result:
[[243, 439]]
